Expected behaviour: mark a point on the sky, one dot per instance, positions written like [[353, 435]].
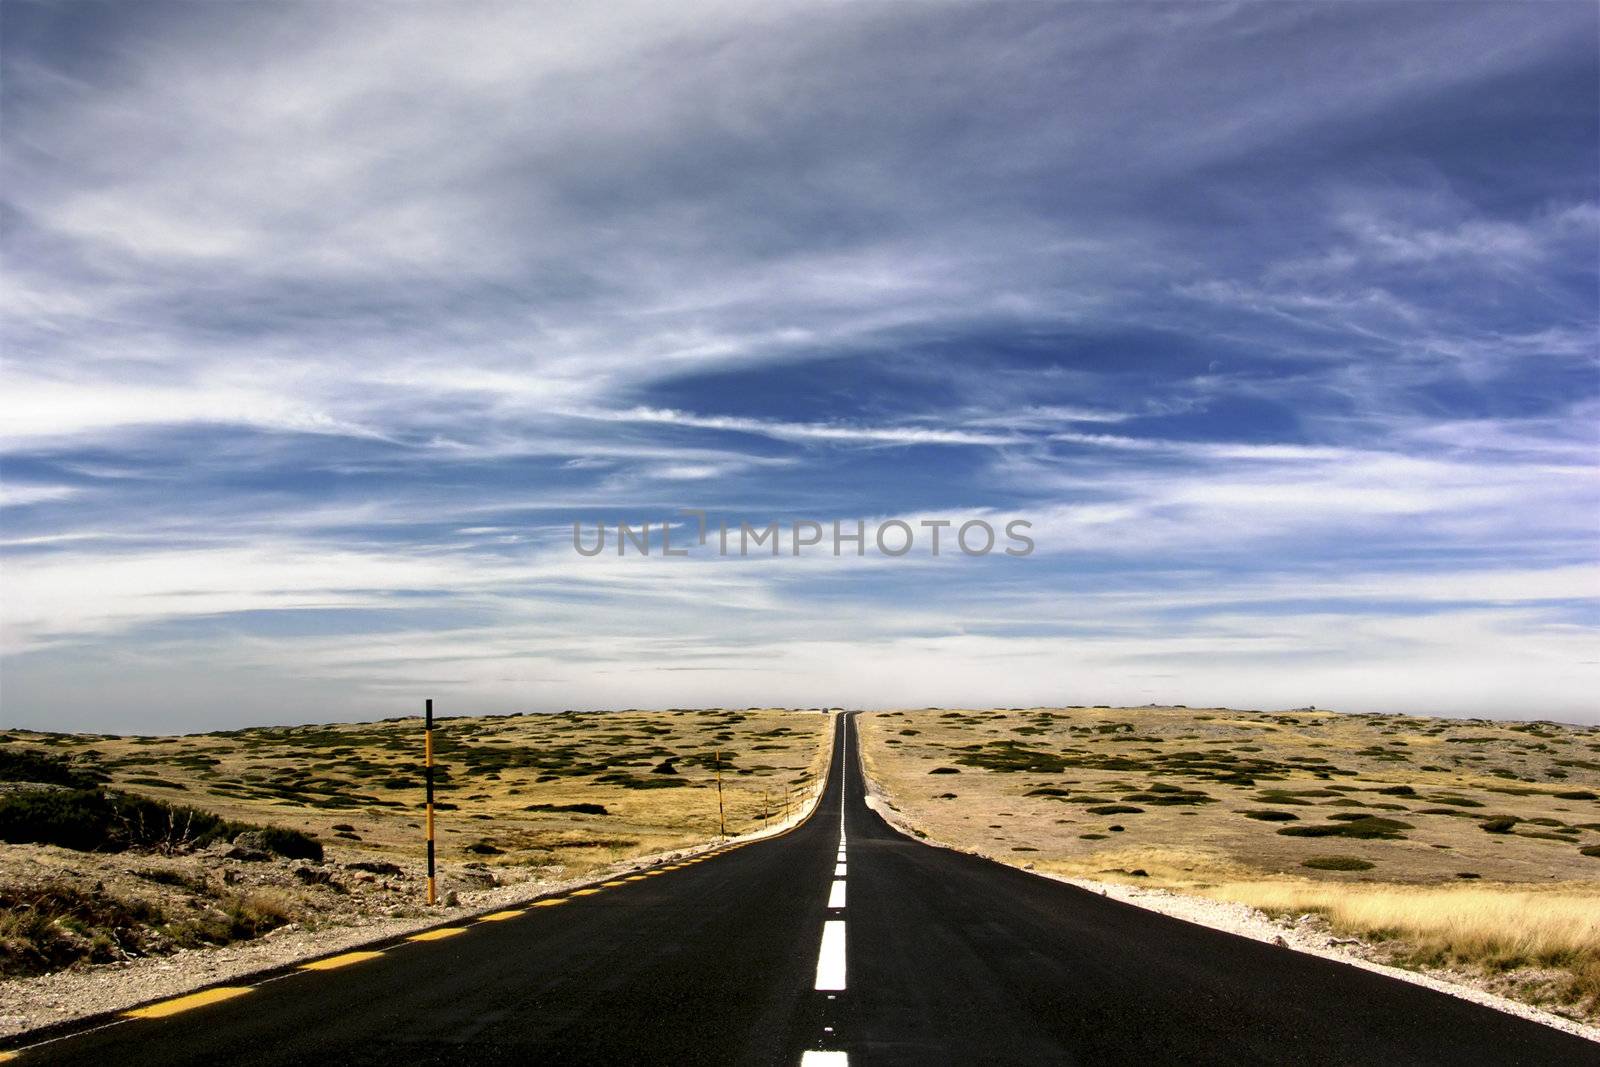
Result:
[[323, 324]]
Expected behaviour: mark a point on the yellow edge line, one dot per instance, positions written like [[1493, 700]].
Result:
[[335, 962], [162, 1009], [500, 916], [552, 902], [439, 934], [607, 885], [584, 892]]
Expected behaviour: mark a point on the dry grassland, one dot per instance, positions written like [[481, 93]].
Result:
[[1460, 844], [520, 798]]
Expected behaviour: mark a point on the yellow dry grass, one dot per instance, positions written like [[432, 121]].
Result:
[[1492, 928], [1490, 865]]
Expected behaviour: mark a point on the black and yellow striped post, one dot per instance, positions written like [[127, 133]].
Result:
[[722, 819], [427, 759]]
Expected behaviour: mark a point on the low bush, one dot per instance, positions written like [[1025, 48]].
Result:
[[89, 820], [291, 844], [1369, 826], [30, 765], [581, 809], [45, 928], [1336, 863]]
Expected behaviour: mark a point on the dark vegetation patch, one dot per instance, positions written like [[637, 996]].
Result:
[[1116, 809], [630, 781], [1009, 756], [89, 820], [1336, 863], [1370, 826], [46, 768], [1168, 796], [581, 809], [1271, 815]]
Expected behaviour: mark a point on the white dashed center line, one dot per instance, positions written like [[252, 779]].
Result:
[[836, 895], [825, 1059], [838, 870], [830, 958]]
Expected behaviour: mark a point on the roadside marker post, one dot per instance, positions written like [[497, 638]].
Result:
[[427, 759], [722, 819]]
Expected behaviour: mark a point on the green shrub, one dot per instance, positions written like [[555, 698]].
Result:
[[30, 765], [89, 820], [290, 844], [1336, 863], [1169, 795], [1499, 825], [1116, 809], [70, 818], [45, 928], [1370, 826], [1269, 815]]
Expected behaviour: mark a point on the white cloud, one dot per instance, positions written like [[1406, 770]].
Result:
[[796, 431]]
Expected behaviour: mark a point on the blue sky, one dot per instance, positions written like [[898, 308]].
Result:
[[324, 322]]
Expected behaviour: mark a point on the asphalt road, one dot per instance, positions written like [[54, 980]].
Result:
[[756, 956]]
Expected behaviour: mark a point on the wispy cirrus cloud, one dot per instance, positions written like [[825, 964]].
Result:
[[324, 322]]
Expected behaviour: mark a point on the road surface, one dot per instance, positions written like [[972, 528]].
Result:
[[840, 942]]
